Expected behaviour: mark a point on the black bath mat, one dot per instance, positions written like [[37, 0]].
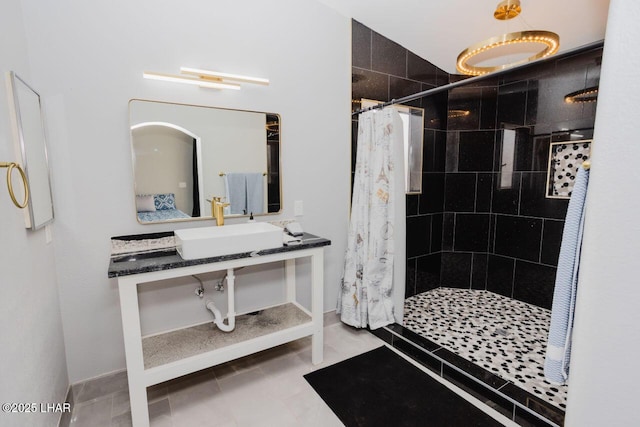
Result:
[[380, 388]]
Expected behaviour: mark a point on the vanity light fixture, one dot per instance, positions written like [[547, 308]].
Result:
[[218, 76], [188, 80], [206, 78], [506, 10]]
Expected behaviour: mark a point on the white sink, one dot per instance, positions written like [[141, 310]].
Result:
[[207, 242]]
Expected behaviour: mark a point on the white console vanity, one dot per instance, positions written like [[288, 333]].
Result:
[[153, 360]]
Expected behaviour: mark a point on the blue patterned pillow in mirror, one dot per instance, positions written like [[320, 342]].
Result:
[[164, 201]]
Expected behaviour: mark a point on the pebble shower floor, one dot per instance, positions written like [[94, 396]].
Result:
[[505, 336]]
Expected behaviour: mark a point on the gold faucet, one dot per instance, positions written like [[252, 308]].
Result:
[[217, 209]]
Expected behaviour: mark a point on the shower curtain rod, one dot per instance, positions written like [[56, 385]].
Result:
[[454, 85]]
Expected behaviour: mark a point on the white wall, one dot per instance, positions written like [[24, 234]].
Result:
[[604, 367], [32, 356], [88, 59]]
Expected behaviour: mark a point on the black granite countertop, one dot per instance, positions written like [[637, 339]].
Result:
[[128, 264]]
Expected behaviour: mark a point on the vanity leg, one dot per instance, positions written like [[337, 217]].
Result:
[[133, 352], [290, 279], [317, 286]]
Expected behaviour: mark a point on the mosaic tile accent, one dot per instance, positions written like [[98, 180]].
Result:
[[505, 336]]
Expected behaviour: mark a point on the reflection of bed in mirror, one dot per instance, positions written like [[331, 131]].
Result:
[[158, 207], [192, 151]]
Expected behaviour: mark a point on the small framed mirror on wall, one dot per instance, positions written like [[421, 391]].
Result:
[[29, 134]]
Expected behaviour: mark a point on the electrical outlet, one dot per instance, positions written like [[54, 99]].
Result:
[[298, 209]]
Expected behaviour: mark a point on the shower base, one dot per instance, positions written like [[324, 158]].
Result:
[[505, 336]]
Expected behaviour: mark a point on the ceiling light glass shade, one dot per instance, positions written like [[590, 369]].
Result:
[[549, 40], [188, 80]]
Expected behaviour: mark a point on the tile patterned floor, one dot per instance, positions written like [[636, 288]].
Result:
[[503, 335]]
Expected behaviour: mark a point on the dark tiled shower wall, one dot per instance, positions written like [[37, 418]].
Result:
[[504, 235], [383, 70]]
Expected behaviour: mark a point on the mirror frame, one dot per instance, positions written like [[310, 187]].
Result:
[[40, 212], [206, 218]]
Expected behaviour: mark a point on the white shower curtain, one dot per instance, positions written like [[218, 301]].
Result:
[[366, 296]]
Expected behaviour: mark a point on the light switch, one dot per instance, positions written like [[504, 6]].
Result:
[[298, 209], [182, 185]]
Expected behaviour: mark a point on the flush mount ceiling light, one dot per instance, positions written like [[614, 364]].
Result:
[[506, 45], [206, 78]]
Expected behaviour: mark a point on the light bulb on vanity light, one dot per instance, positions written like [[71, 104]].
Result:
[[187, 80]]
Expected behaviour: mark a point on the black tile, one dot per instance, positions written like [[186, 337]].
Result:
[[412, 204], [475, 152], [422, 70], [460, 192], [479, 271], [518, 237], [434, 152], [429, 150], [506, 194], [488, 108], [471, 232], [436, 232], [399, 87], [435, 110], [427, 272], [448, 228], [534, 403], [500, 275], [369, 85], [481, 374], [420, 356], [440, 151], [551, 239], [452, 150], [480, 392], [418, 235], [541, 153], [512, 100], [484, 190], [354, 144], [533, 201], [492, 233], [525, 418], [432, 197], [424, 343], [456, 270], [388, 56], [524, 150], [360, 45], [410, 279], [534, 283], [383, 334], [464, 108], [531, 115]]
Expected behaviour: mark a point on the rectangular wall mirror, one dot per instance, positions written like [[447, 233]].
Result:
[[29, 133], [185, 155]]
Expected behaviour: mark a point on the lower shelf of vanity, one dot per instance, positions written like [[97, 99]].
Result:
[[187, 350]]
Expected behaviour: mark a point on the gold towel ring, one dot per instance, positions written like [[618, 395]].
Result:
[[10, 166]]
